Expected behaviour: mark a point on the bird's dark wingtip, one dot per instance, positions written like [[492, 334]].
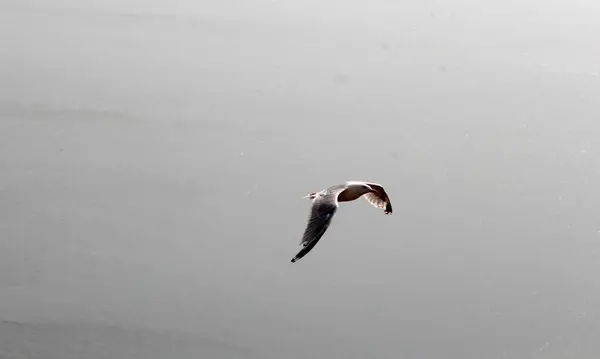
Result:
[[388, 208]]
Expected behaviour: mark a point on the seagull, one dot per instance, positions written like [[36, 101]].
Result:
[[325, 204]]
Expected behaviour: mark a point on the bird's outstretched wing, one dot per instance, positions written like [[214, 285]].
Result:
[[379, 198], [321, 213]]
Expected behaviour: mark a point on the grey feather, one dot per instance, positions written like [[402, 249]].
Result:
[[321, 213]]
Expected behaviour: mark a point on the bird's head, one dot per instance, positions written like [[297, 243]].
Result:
[[311, 195]]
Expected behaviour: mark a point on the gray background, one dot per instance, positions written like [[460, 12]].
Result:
[[153, 155]]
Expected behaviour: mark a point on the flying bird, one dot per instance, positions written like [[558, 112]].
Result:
[[326, 202]]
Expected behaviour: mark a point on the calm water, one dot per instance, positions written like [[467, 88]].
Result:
[[153, 155]]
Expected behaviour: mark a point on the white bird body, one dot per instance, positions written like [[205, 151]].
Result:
[[326, 202]]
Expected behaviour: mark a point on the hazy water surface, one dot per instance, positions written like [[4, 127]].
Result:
[[153, 155]]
